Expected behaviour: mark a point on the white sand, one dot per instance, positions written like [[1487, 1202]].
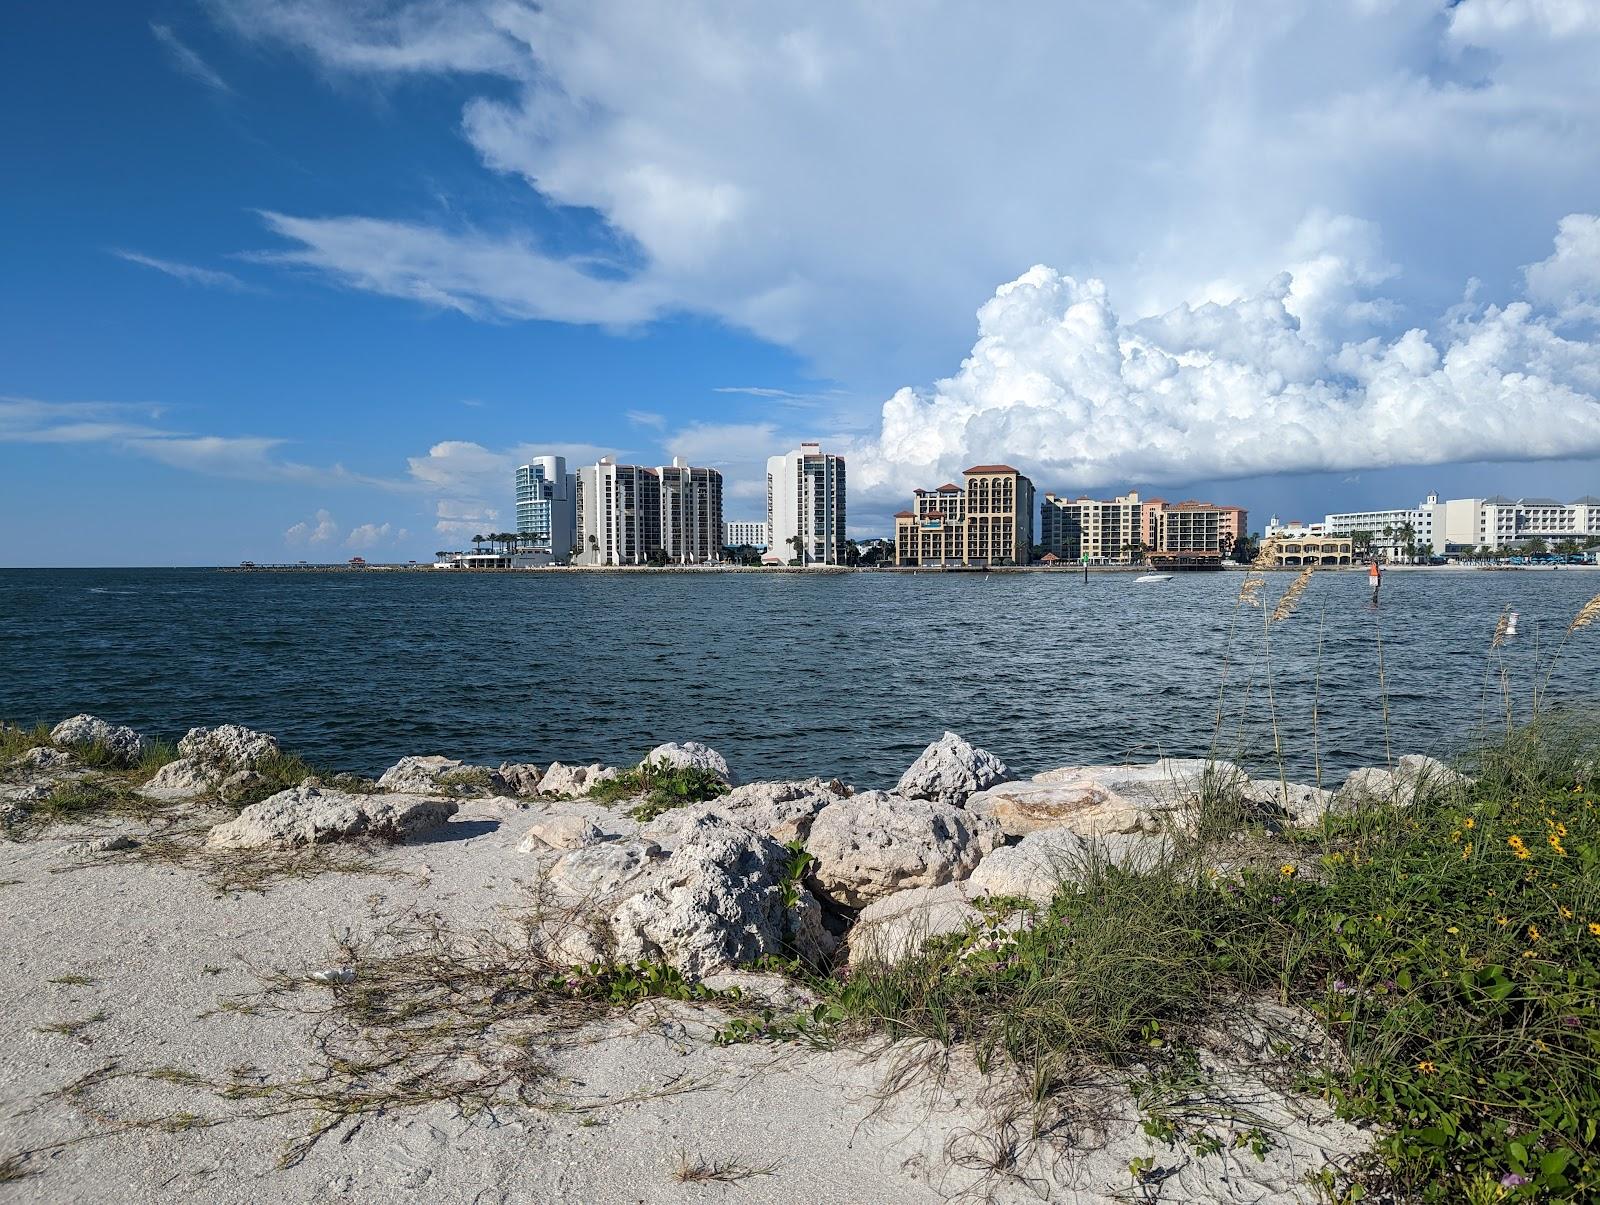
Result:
[[162, 949]]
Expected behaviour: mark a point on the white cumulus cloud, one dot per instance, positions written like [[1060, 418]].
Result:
[[1272, 381], [321, 528]]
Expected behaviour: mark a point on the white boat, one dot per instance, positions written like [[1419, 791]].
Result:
[[1153, 577]]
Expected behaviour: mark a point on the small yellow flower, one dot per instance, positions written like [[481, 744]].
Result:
[[1452, 929], [1427, 1067], [1529, 954], [1561, 830], [1566, 913], [1533, 933], [1287, 870], [1594, 928], [1455, 835], [1469, 822], [1377, 918], [1514, 841], [1466, 851], [1502, 921]]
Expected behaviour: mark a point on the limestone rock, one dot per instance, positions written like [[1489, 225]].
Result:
[[718, 903], [874, 844], [1095, 800], [228, 747], [691, 755], [562, 831], [1301, 805], [949, 770], [573, 781], [783, 811], [222, 760], [42, 759], [181, 779], [124, 744], [1413, 777], [306, 815], [1042, 862], [600, 873], [520, 778], [895, 927], [417, 775]]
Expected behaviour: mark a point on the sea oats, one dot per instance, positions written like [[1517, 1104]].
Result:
[[1250, 587], [1503, 628], [1291, 596], [1590, 613]]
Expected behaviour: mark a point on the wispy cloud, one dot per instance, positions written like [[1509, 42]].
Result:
[[188, 273], [755, 391], [186, 60], [116, 425], [647, 418]]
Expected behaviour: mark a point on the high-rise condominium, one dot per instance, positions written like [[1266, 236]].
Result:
[[629, 514], [547, 509], [805, 507]]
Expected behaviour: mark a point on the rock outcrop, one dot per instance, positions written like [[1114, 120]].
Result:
[[520, 778], [690, 755], [224, 761], [895, 927], [719, 902], [1413, 777], [123, 744], [1097, 800], [949, 770], [418, 775], [42, 759], [601, 874], [1041, 863], [307, 815], [784, 811], [573, 781], [874, 844]]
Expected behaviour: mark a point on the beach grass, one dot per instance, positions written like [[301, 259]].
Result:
[[1449, 950]]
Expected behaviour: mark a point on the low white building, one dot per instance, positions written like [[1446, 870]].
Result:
[[740, 533], [1461, 523], [1293, 529]]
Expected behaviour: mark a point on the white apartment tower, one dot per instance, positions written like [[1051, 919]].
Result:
[[629, 514], [806, 503], [547, 507]]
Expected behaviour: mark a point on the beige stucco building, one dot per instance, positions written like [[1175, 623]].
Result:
[[1312, 550], [986, 521]]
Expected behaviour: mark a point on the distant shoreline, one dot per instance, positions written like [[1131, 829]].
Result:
[[1056, 570]]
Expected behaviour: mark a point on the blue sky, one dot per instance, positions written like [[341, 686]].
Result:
[[296, 278]]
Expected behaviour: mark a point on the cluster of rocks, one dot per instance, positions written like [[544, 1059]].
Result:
[[811, 867]]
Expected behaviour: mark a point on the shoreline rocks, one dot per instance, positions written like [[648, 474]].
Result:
[[309, 815], [124, 745]]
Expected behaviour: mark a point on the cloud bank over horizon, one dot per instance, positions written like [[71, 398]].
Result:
[[1281, 380]]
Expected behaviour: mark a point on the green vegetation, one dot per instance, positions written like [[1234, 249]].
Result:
[[471, 778], [14, 742], [81, 800], [1450, 950], [663, 788]]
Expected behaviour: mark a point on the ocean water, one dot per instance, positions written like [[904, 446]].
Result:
[[789, 675]]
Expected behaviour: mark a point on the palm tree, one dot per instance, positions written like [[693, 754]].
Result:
[[799, 544], [594, 547], [1408, 538], [477, 543]]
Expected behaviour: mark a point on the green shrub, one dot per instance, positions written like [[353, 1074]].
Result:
[[662, 786], [14, 742]]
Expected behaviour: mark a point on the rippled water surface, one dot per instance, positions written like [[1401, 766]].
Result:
[[786, 674]]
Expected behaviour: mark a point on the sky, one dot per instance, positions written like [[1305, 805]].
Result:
[[307, 279]]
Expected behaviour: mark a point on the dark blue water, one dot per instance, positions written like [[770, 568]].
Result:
[[786, 674]]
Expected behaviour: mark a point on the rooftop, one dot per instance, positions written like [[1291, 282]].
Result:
[[990, 468]]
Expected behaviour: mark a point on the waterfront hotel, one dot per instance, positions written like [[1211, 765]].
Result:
[[987, 520]]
